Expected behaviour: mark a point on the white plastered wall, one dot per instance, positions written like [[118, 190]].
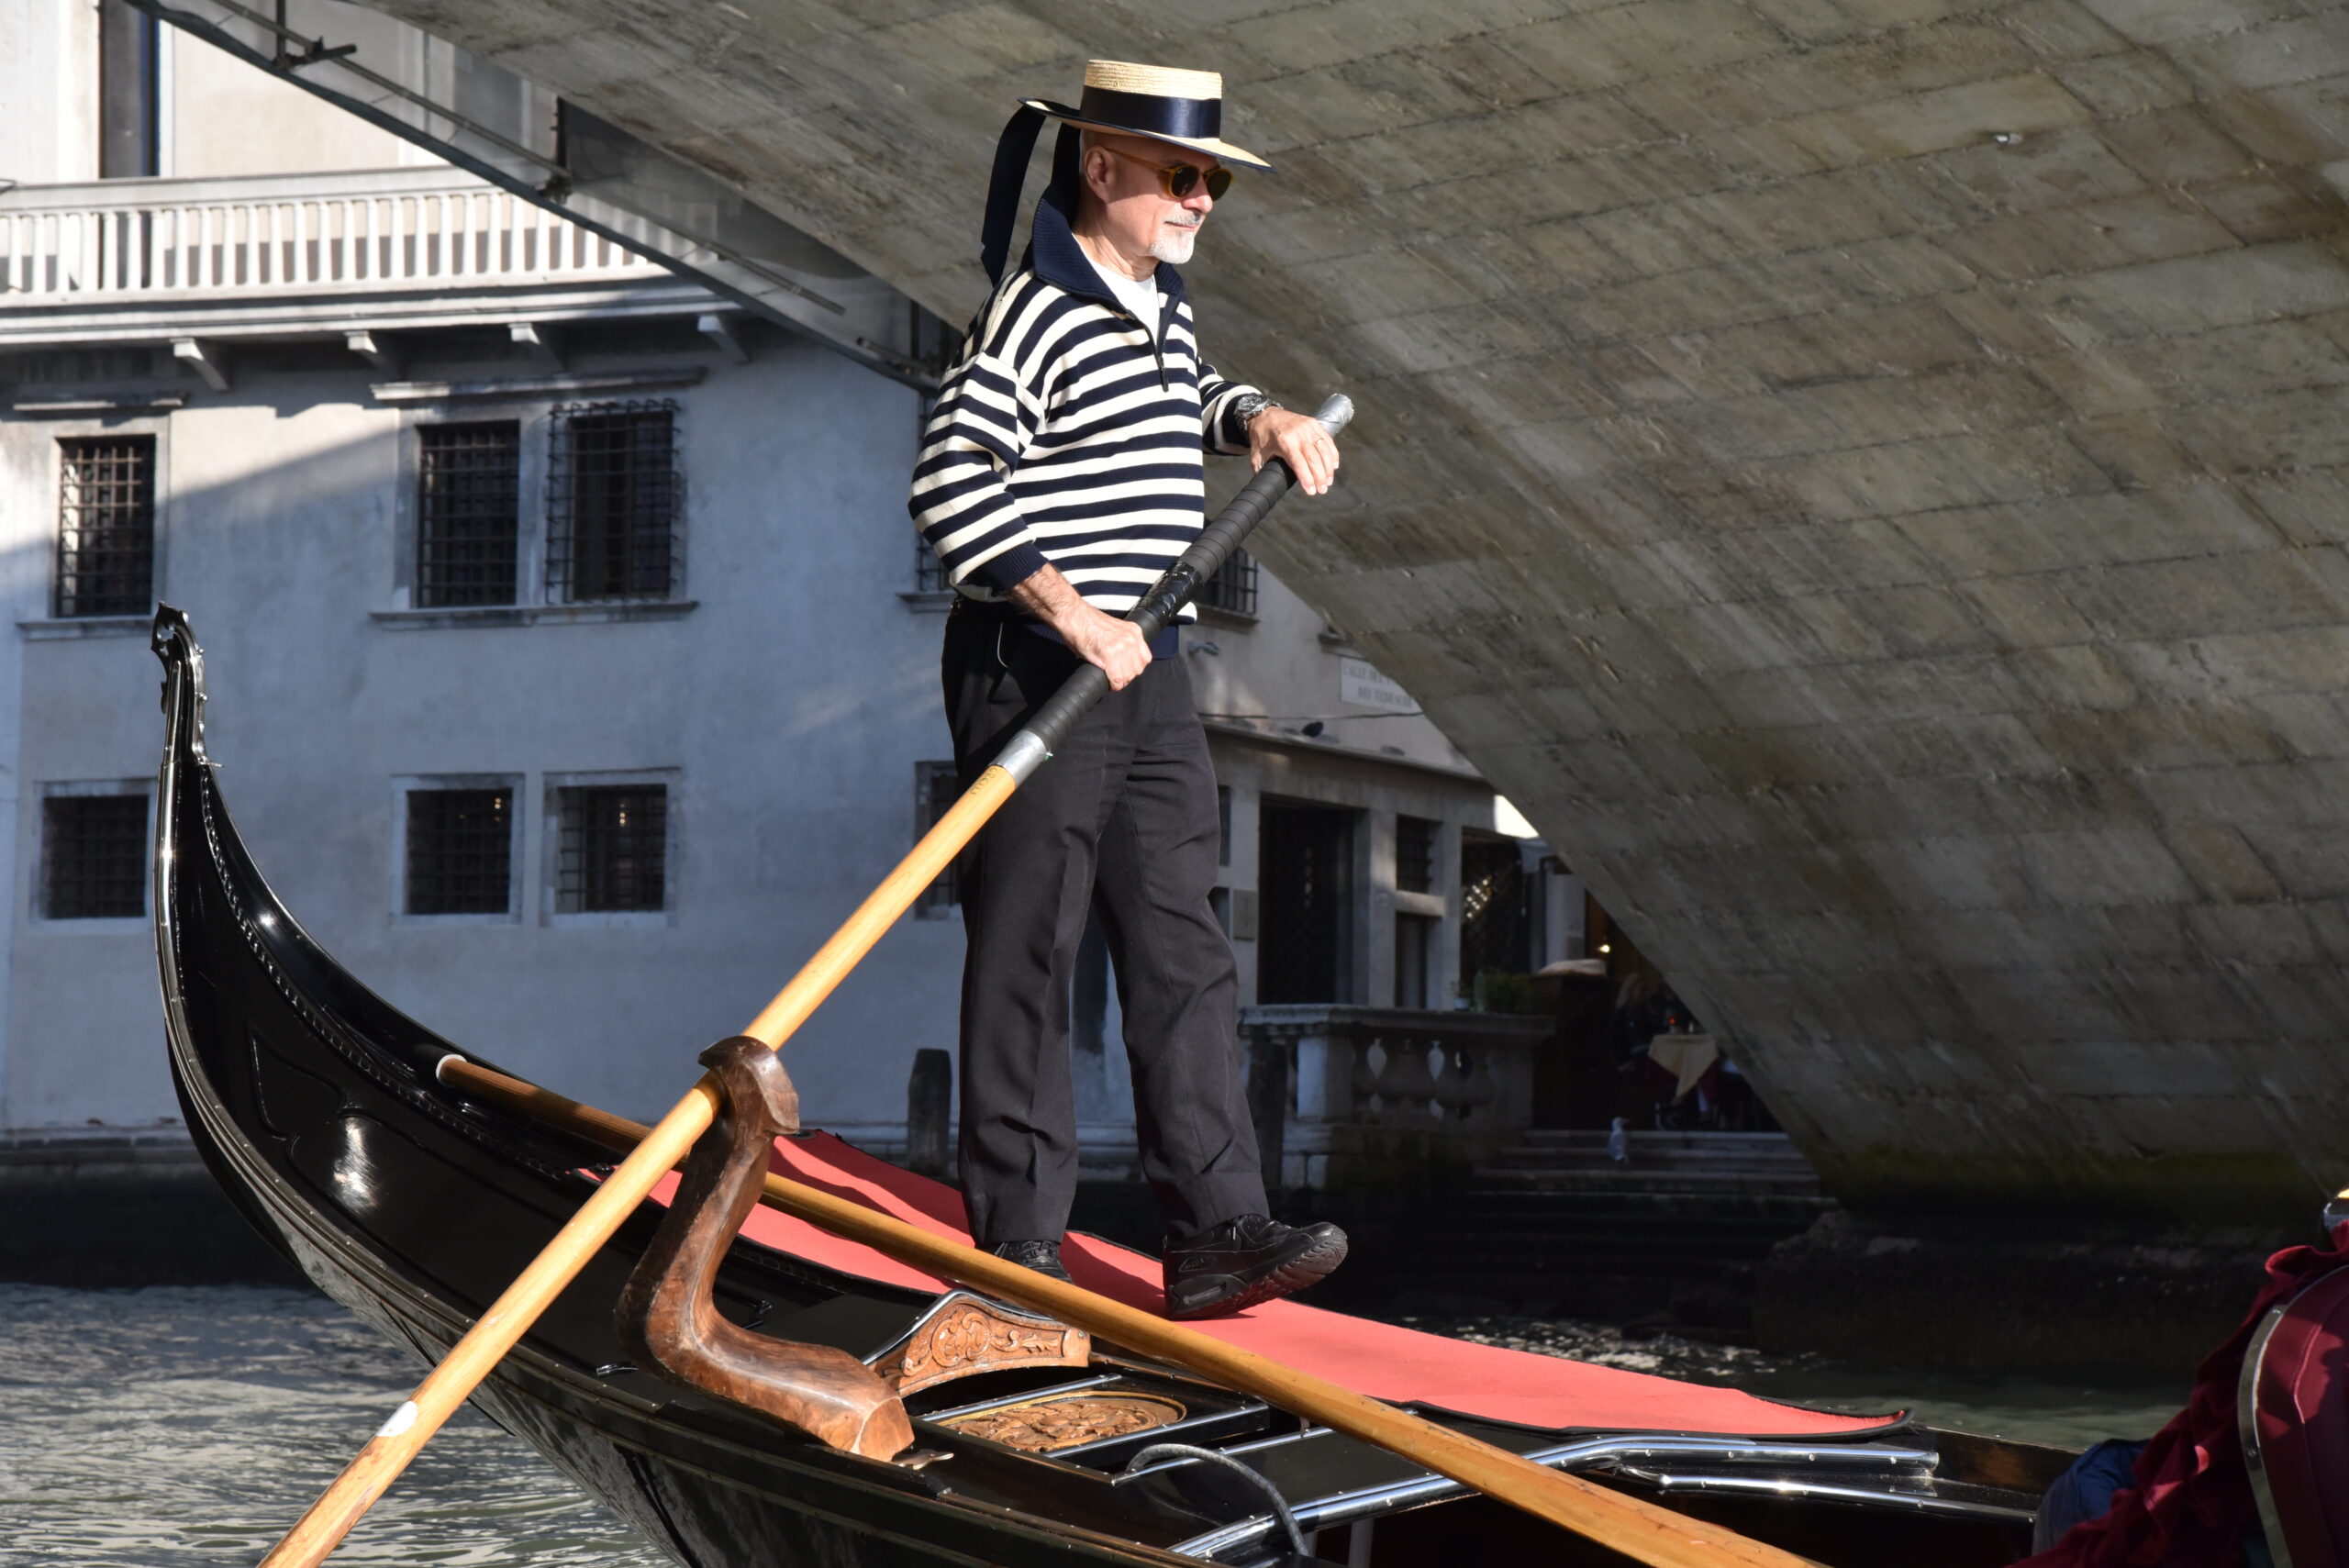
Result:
[[790, 705]]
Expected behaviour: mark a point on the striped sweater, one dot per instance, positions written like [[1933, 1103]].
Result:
[[1070, 432]]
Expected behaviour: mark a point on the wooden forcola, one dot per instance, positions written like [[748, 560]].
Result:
[[667, 1320]]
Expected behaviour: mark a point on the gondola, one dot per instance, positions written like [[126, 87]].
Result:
[[323, 1113]]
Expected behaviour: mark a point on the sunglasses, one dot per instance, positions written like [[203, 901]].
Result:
[[1179, 180]]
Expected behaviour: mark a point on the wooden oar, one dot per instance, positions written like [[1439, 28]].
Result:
[[1639, 1530], [378, 1464]]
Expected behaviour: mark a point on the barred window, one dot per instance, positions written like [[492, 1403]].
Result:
[[929, 573], [105, 527], [93, 856], [613, 494], [1233, 589], [613, 852], [1414, 854], [1305, 857], [467, 512], [460, 851], [1493, 925], [1415, 947], [935, 345], [936, 789]]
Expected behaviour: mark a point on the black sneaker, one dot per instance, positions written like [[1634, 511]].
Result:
[[1232, 1266], [1044, 1257]]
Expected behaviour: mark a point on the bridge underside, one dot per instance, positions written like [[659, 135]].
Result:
[[1864, 477]]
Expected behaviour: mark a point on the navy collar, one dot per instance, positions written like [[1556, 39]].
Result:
[[1055, 256]]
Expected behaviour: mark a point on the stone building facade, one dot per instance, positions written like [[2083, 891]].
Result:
[[572, 658]]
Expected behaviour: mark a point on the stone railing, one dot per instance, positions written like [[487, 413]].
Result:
[[428, 227], [1361, 1098]]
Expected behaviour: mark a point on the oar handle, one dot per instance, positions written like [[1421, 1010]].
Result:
[[1036, 740]]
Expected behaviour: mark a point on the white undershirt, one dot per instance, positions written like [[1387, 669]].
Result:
[[1139, 296]]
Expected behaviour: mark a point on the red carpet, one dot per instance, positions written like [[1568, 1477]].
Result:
[[1398, 1364]]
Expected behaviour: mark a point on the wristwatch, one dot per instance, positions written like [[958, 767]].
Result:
[[1244, 407]]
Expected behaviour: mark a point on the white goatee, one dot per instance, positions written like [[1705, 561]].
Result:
[[1173, 245]]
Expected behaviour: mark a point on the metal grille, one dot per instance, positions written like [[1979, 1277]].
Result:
[[1415, 937], [1414, 854], [105, 527], [929, 573], [613, 491], [1492, 909], [467, 511], [94, 857], [1304, 874], [613, 852], [934, 346], [1233, 589], [936, 789], [460, 851]]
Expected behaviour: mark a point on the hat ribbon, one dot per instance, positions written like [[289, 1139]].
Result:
[[1154, 114], [1011, 153]]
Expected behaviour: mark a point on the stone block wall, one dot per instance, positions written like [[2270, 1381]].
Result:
[[1863, 476]]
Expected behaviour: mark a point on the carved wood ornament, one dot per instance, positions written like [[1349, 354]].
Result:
[[666, 1320], [965, 1334], [1064, 1421]]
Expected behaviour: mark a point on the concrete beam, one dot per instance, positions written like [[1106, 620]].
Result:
[[203, 360], [721, 327], [538, 345], [799, 282], [364, 344], [512, 386]]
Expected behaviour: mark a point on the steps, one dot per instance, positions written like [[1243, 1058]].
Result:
[[1554, 1221], [1700, 1162]]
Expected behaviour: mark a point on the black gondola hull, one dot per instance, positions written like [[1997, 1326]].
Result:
[[316, 1107]]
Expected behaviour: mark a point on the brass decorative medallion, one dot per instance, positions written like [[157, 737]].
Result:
[[1064, 1420], [965, 1335]]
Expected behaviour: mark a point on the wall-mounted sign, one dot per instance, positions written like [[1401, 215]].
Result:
[[1360, 684]]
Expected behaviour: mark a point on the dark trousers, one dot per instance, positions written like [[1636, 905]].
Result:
[[1123, 818]]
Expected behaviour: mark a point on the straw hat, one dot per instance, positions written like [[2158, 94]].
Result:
[[1184, 108]]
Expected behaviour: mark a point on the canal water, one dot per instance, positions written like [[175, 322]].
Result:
[[187, 1427]]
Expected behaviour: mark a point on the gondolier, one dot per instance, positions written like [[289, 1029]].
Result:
[[1060, 473]]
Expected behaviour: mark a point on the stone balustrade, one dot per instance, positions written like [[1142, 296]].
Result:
[[1350, 1098], [429, 228]]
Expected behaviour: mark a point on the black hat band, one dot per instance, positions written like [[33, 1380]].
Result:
[[1149, 114]]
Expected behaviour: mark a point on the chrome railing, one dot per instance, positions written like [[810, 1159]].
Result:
[[1889, 1474]]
